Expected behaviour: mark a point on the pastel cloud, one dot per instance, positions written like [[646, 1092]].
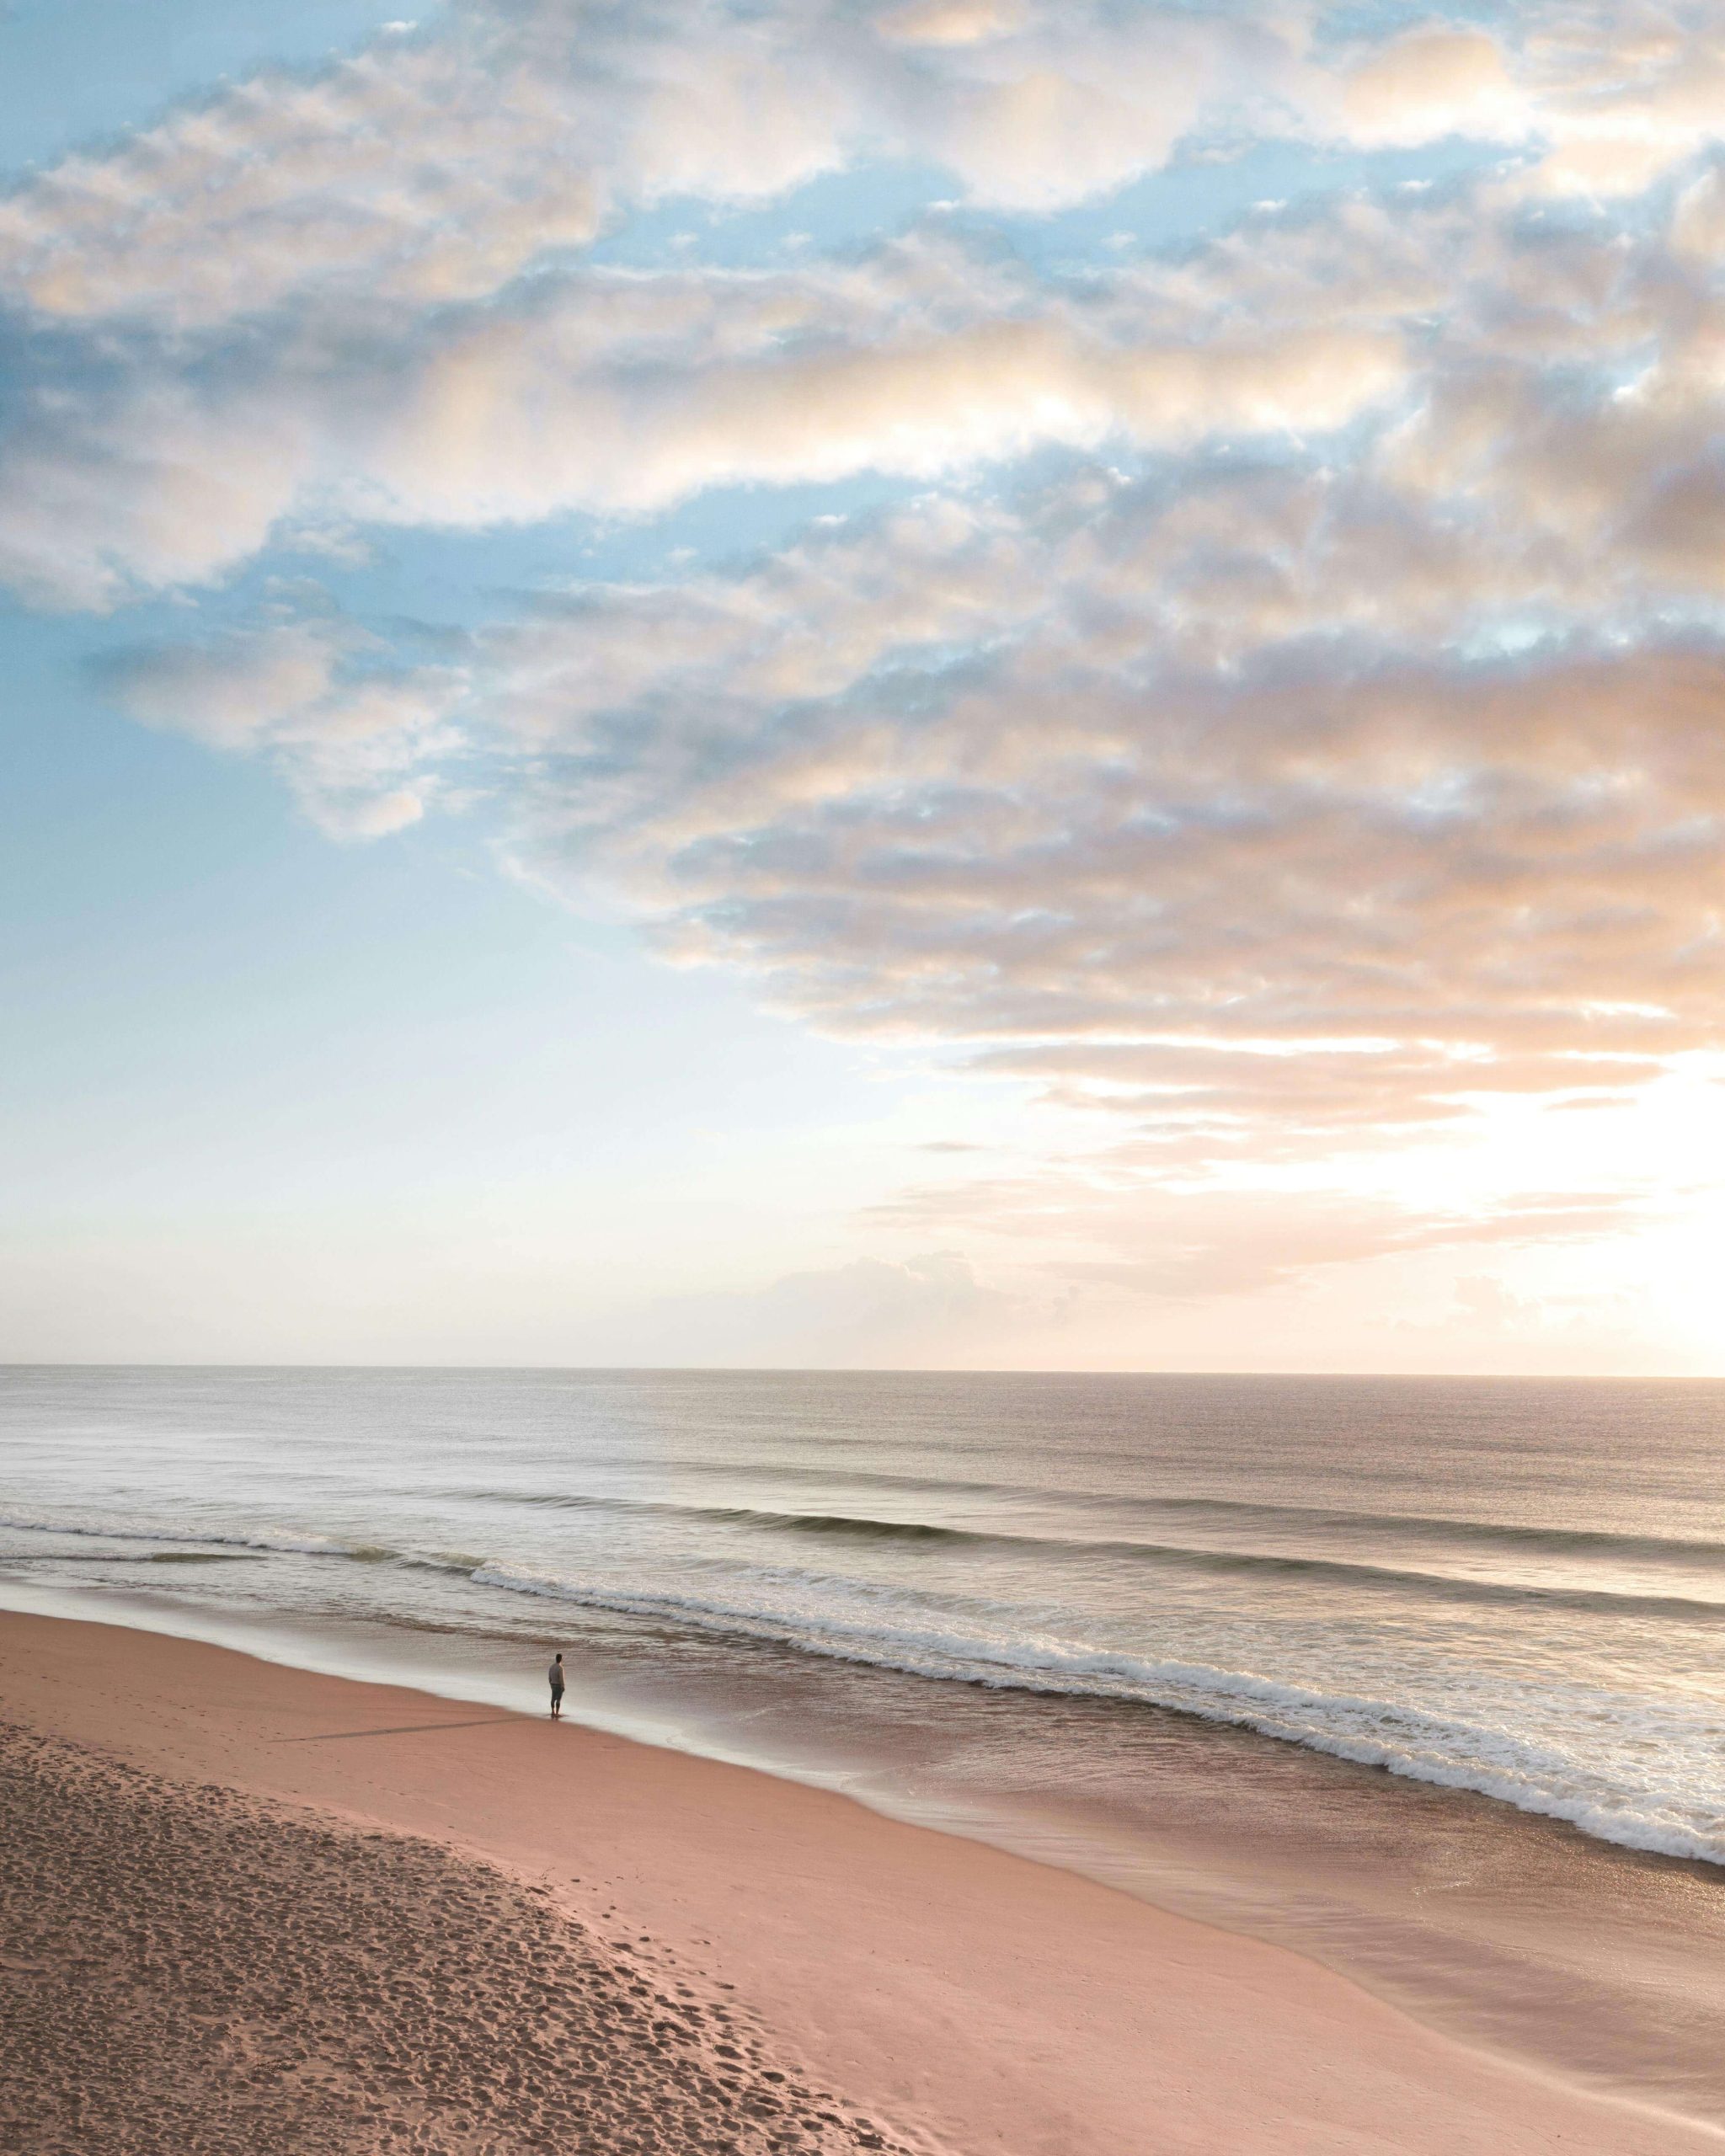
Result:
[[953, 22], [1617, 128], [1151, 774], [360, 294], [604, 392], [1505, 864], [1209, 766], [869, 1310], [1108, 1230], [1431, 83], [362, 746], [412, 173], [438, 166]]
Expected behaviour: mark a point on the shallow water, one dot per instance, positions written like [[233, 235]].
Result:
[[1067, 1613]]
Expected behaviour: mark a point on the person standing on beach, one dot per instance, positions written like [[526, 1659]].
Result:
[[557, 1689]]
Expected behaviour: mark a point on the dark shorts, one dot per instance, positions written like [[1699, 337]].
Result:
[[556, 1691]]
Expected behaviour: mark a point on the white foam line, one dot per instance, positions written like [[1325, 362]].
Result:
[[1448, 1753], [1403, 1741]]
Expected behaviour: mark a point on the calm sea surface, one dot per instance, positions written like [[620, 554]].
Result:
[[1169, 1631]]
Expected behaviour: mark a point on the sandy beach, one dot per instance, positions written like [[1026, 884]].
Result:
[[247, 1907]]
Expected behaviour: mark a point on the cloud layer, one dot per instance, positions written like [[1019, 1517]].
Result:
[[364, 291], [1282, 710]]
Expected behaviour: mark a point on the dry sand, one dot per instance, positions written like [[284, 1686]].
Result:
[[249, 1910], [262, 1982]]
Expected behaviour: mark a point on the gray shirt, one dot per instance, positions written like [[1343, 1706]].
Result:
[[557, 1677]]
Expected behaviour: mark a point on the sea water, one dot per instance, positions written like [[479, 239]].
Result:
[[1168, 1630]]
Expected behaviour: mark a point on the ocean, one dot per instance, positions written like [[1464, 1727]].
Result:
[[1425, 1678]]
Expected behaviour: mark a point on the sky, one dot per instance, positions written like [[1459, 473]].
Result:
[[865, 683]]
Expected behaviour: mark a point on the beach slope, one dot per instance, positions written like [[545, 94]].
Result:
[[247, 1907]]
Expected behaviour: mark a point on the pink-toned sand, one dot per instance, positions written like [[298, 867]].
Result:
[[722, 1961]]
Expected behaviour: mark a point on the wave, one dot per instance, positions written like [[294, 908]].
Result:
[[1447, 1752], [211, 1544], [851, 1527], [1504, 1535], [1247, 1563], [858, 1529], [855, 1528], [1485, 1534], [141, 1557], [1448, 1586], [306, 1545]]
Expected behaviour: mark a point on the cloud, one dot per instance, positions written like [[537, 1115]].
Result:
[[362, 293], [421, 171], [363, 748], [439, 166], [1492, 1307], [953, 22], [870, 1313], [606, 393], [1280, 711], [1199, 1101], [1621, 109], [1105, 1228], [231, 694], [1404, 747], [1431, 83], [1073, 833]]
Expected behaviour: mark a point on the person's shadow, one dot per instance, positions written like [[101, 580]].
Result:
[[398, 1729]]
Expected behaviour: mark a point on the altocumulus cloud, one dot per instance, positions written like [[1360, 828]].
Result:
[[318, 290], [362, 746], [1322, 739]]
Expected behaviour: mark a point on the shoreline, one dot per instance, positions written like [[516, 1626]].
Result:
[[961, 1997], [1515, 1936]]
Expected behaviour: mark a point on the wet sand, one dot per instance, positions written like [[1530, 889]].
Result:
[[247, 1908]]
